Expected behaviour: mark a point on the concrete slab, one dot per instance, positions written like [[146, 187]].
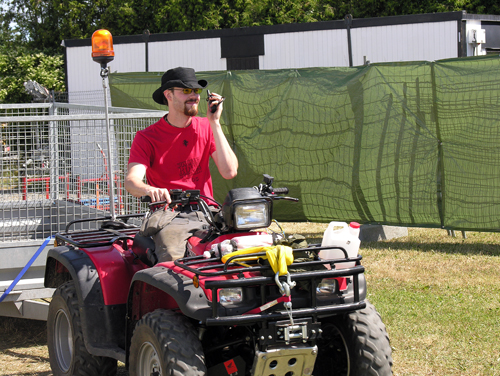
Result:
[[373, 233]]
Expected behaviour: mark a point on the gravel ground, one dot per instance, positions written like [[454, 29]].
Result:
[[23, 348]]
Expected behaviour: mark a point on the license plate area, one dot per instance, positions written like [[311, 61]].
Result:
[[290, 360], [283, 333]]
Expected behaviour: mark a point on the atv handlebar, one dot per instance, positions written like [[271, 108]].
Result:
[[178, 197], [281, 191], [181, 198], [267, 189]]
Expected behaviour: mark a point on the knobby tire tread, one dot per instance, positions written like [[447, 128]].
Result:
[[373, 353], [84, 363], [180, 348]]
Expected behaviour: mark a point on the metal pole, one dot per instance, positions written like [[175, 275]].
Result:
[[145, 37], [104, 75], [348, 22], [53, 154]]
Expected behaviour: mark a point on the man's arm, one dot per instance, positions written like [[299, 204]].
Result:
[[224, 157], [134, 184]]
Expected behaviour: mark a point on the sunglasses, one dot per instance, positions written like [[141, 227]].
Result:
[[189, 91]]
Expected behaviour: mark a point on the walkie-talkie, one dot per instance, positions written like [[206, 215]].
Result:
[[213, 107]]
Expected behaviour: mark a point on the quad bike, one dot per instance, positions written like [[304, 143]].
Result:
[[251, 311]]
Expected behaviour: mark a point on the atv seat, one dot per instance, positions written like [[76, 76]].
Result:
[[144, 248]]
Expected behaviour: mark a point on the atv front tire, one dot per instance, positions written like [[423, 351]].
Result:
[[67, 352], [165, 343], [354, 344]]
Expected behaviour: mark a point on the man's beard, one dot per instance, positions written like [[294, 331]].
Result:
[[193, 111]]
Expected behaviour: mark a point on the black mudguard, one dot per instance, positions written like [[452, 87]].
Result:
[[103, 325], [190, 300]]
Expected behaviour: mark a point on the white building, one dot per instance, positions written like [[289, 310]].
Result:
[[342, 43]]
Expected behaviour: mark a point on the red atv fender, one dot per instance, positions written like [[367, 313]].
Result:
[[103, 315], [161, 287]]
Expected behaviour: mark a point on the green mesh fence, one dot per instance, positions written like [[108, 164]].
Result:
[[413, 144]]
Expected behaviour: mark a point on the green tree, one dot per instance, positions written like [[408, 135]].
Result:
[[18, 66], [179, 15], [383, 8], [44, 24]]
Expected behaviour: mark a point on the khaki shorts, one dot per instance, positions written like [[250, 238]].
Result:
[[171, 230]]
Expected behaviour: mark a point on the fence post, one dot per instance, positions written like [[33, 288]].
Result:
[[440, 179], [53, 154]]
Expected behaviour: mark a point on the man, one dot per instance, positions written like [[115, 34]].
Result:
[[174, 153]]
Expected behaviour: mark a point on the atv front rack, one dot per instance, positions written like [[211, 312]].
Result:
[[213, 267], [109, 232], [251, 276]]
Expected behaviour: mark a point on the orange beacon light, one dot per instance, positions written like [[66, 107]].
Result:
[[102, 47]]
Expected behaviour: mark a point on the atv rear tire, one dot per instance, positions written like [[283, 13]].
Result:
[[165, 343], [355, 344], [67, 352]]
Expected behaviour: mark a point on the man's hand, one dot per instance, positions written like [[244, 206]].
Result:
[[136, 187], [158, 194], [214, 100]]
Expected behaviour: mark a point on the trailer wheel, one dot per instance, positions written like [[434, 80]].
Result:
[[165, 343], [355, 344], [67, 352]]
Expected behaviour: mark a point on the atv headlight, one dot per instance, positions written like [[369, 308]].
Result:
[[247, 209], [231, 295], [251, 215], [326, 287]]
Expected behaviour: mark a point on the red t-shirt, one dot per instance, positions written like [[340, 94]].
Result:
[[176, 158]]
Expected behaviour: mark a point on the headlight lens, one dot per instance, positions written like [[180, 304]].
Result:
[[231, 295], [251, 215], [326, 287]]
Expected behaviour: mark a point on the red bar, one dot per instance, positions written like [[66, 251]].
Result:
[[79, 187], [67, 186], [26, 180], [25, 187]]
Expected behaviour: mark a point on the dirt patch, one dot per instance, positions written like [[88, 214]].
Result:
[[23, 348]]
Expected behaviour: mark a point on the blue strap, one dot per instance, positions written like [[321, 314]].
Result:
[[30, 262]]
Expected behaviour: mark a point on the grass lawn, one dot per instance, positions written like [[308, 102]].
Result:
[[438, 295]]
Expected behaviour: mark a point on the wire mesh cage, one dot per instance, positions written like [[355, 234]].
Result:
[[55, 166]]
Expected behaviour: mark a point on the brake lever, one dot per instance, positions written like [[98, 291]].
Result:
[[284, 198]]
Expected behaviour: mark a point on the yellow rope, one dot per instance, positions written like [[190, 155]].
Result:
[[279, 256]]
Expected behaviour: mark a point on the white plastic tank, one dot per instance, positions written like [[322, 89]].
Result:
[[238, 243], [263, 240], [340, 234]]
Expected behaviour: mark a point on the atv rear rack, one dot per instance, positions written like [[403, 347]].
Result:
[[109, 232]]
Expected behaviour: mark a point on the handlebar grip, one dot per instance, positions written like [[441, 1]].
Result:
[[281, 191], [147, 199]]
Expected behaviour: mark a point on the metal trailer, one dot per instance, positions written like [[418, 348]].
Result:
[[54, 169]]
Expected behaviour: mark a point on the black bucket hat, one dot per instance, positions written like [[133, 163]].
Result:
[[178, 77]]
